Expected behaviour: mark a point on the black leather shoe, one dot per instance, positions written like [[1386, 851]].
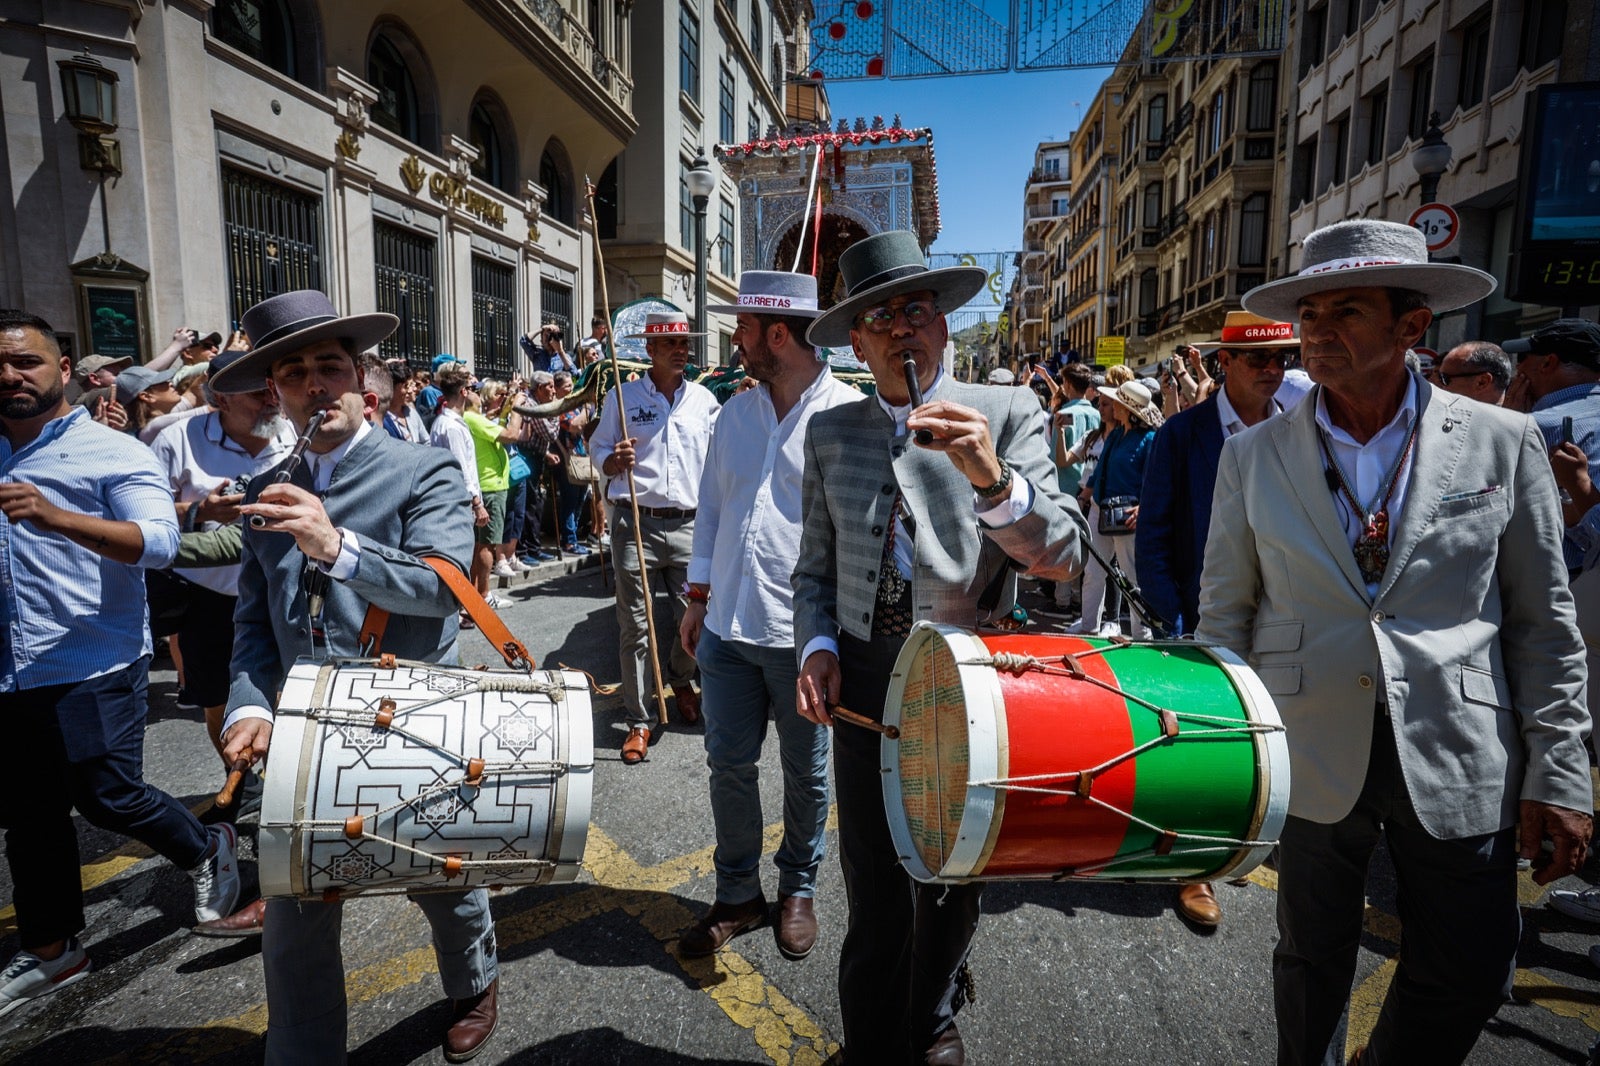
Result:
[[946, 1049], [797, 926]]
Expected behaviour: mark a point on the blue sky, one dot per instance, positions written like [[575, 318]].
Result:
[[985, 128]]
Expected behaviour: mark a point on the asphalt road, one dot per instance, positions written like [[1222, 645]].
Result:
[[1067, 973]]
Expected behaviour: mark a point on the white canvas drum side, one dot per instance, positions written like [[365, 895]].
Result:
[[411, 787], [967, 817], [1272, 761]]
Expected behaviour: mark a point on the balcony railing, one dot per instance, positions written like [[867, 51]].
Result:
[[571, 37]]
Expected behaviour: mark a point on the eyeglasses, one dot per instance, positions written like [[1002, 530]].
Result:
[[1445, 379], [1262, 360], [918, 313]]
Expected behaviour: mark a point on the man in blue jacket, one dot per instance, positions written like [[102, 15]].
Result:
[[1175, 503]]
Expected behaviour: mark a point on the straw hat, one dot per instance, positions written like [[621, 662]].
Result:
[[1366, 252], [664, 324], [1242, 330], [1134, 396]]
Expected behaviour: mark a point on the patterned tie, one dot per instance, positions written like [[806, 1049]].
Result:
[[891, 615]]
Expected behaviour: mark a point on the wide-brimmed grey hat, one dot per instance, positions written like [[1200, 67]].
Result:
[[659, 325], [1368, 252], [773, 292], [885, 265], [282, 324]]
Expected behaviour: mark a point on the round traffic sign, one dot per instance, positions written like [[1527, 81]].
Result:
[[1439, 223]]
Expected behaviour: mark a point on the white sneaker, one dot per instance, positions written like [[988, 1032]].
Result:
[[605, 540], [494, 602], [1583, 905], [1082, 627], [1110, 629], [27, 976], [502, 568], [518, 566], [216, 879]]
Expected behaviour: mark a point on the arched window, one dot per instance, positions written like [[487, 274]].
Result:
[[486, 130], [555, 174], [281, 34], [399, 109]]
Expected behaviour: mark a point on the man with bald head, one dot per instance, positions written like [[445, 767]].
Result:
[[1479, 370]]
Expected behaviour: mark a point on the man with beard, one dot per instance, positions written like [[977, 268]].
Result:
[[85, 512], [740, 621], [669, 419], [896, 532], [357, 517], [208, 459]]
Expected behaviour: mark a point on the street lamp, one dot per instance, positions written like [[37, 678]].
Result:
[[89, 94], [1431, 158], [702, 183]]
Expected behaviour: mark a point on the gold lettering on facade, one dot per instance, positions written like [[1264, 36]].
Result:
[[412, 174], [347, 146], [456, 193]]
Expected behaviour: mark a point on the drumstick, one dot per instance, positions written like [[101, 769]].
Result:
[[892, 732], [224, 798]]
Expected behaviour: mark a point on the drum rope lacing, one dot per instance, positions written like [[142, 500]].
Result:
[[474, 770], [1017, 664]]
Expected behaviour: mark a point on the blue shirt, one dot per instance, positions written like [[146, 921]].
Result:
[[1581, 403], [71, 614], [1121, 468]]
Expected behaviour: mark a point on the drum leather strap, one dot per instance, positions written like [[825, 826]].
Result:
[[512, 650]]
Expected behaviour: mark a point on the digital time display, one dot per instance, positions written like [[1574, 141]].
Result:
[[1556, 241]]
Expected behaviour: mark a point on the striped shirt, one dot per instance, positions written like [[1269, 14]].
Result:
[[69, 613]]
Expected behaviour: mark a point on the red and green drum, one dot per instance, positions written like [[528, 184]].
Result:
[[1038, 756]]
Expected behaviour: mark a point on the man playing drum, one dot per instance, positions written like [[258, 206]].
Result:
[[1387, 555], [892, 533], [343, 534]]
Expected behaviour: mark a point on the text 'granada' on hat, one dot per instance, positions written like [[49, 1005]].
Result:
[[1241, 329], [1363, 253]]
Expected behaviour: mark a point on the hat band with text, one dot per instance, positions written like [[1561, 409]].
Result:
[[1275, 331], [1353, 262], [756, 299], [666, 327]]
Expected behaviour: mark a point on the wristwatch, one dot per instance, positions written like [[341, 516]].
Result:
[[695, 594]]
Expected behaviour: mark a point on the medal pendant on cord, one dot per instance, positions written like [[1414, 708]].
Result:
[[1372, 548]]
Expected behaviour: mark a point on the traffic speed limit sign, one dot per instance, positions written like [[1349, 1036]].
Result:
[[1439, 223]]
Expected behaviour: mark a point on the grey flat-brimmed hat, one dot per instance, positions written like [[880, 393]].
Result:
[[885, 265], [773, 292], [286, 323], [1368, 252]]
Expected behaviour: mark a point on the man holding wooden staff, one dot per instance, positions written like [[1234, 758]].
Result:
[[893, 532], [669, 423]]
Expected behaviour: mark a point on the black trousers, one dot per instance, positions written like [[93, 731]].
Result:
[[905, 942], [79, 745], [1458, 909]]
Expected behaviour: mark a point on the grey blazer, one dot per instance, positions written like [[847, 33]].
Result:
[[402, 501], [853, 465], [1471, 641]]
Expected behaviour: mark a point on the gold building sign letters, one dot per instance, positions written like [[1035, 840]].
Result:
[[452, 191]]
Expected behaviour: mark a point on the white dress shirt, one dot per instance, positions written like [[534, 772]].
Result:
[[747, 531], [1229, 415], [670, 439], [198, 456], [1366, 466], [450, 432]]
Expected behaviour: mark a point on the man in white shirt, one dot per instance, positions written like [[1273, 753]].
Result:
[[669, 429], [740, 621], [208, 460], [450, 433]]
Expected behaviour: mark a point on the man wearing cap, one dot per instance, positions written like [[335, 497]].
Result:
[[82, 516], [356, 518], [739, 624], [208, 459], [93, 378], [895, 532], [1387, 557], [1175, 504], [669, 430], [1560, 367]]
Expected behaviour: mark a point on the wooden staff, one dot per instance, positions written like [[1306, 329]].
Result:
[[633, 493]]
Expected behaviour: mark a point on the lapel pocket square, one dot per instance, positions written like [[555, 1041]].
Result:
[[1473, 494]]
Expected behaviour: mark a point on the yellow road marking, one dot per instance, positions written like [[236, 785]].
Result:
[[782, 1029]]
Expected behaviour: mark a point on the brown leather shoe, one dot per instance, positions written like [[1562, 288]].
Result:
[[721, 923], [1199, 904], [947, 1049], [688, 703], [636, 746], [246, 921], [797, 926], [472, 1023]]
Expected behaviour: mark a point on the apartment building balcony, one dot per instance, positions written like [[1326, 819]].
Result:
[[1040, 176], [558, 42]]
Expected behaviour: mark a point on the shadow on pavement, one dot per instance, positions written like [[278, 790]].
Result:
[[177, 1046], [603, 1047]]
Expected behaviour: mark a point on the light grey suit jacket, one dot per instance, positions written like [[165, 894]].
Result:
[[402, 501], [1471, 640], [853, 465]]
